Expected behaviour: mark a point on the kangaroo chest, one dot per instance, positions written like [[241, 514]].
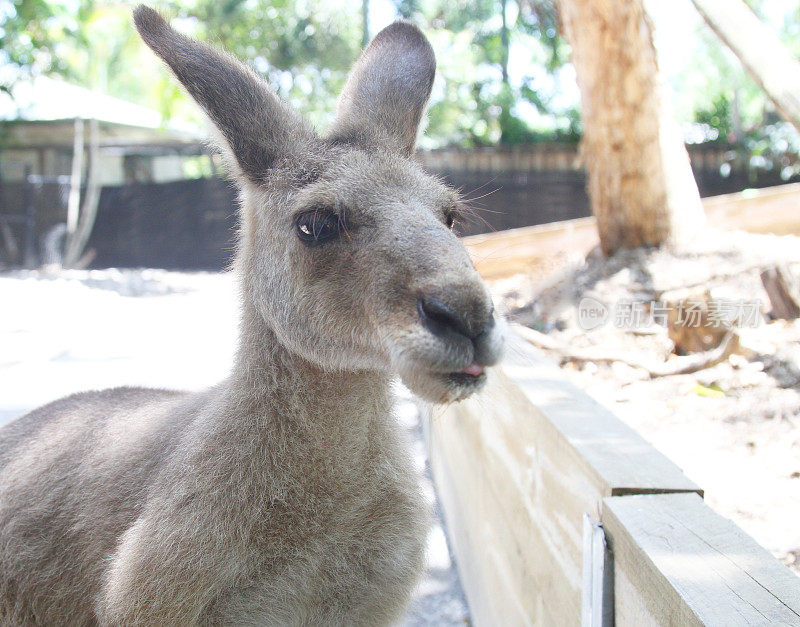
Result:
[[348, 551]]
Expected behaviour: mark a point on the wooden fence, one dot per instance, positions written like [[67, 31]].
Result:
[[191, 224], [517, 468], [543, 183]]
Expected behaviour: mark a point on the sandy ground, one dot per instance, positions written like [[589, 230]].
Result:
[[733, 428], [98, 329]]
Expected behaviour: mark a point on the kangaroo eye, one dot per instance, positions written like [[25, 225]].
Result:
[[450, 220], [317, 226]]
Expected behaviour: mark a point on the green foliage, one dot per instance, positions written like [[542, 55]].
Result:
[[774, 146], [715, 91], [541, 22], [33, 34], [718, 117], [494, 85], [303, 48], [499, 81]]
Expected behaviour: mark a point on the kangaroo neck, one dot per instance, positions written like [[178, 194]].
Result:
[[267, 376]]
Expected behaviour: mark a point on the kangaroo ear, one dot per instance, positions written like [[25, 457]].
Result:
[[387, 91], [257, 127]]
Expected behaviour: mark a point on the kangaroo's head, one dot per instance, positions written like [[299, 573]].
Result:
[[346, 246]]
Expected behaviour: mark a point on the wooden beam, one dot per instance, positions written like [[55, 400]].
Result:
[[767, 210], [537, 250], [516, 468], [530, 249], [677, 562], [781, 288]]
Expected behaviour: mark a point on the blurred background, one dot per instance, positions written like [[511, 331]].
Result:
[[93, 124]]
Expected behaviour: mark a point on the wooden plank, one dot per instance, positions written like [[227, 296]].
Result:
[[677, 562], [516, 467], [619, 458], [501, 482], [534, 248], [769, 210], [781, 289], [528, 249], [494, 585]]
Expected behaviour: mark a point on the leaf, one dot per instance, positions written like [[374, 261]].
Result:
[[711, 391]]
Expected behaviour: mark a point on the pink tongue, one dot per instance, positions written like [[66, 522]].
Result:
[[473, 369]]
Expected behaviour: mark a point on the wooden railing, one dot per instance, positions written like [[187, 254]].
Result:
[[549, 156], [519, 466], [534, 248]]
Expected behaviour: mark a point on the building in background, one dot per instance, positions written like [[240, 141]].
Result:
[[37, 135]]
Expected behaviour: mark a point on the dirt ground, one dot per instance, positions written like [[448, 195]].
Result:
[[734, 427]]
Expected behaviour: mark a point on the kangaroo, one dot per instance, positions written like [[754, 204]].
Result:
[[285, 494]]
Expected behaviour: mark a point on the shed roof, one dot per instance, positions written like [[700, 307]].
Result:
[[45, 99]]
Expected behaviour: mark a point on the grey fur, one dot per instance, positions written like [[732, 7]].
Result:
[[285, 494]]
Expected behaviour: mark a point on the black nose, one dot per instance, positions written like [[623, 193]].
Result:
[[442, 320]]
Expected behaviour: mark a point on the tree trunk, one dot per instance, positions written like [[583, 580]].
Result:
[[640, 184], [364, 23], [74, 198], [76, 244], [760, 50]]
